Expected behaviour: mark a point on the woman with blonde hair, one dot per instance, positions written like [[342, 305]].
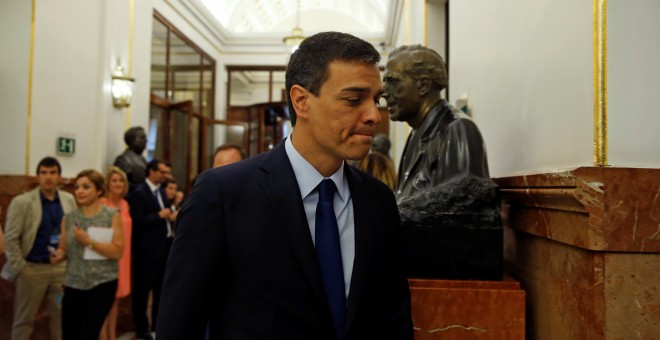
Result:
[[92, 241], [379, 166], [117, 187]]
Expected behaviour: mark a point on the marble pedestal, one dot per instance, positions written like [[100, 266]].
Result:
[[449, 309], [585, 246]]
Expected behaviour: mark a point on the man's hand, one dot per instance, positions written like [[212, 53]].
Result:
[[56, 256], [165, 213], [173, 216]]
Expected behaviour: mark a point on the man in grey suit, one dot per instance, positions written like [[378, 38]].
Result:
[[33, 225], [295, 243]]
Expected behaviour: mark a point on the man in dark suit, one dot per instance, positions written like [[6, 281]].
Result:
[[255, 254], [151, 240]]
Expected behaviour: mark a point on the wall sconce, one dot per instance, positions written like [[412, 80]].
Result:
[[122, 88]]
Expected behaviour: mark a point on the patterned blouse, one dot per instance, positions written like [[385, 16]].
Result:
[[81, 273]]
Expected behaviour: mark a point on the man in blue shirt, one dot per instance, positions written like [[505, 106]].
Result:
[[33, 225]]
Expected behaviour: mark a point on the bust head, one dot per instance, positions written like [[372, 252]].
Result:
[[136, 139], [414, 77]]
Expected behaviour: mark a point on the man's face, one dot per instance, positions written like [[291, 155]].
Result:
[[400, 90], [226, 157], [48, 176], [170, 190], [344, 116], [159, 176]]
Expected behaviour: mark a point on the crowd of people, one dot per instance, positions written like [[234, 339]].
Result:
[[84, 252]]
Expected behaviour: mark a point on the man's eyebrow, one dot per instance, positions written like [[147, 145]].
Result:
[[356, 89], [361, 90]]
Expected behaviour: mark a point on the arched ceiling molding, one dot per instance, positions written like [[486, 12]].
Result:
[[271, 41]]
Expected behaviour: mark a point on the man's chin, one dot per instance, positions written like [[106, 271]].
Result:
[[358, 155]]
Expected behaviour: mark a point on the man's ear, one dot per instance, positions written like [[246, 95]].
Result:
[[299, 99], [424, 85]]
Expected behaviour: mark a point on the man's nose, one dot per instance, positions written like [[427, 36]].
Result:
[[373, 114]]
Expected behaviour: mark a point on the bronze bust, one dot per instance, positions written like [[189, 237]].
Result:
[[131, 160], [449, 206]]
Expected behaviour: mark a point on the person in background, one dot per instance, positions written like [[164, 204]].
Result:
[[379, 166], [293, 243], [90, 284], [228, 154], [174, 196], [382, 144], [117, 188], [175, 199], [33, 225], [152, 237]]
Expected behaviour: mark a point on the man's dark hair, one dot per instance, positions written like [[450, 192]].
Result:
[[153, 165], [49, 162], [308, 65], [425, 62], [224, 147], [131, 134]]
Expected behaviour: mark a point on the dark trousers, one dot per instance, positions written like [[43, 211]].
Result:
[[148, 276], [83, 311]]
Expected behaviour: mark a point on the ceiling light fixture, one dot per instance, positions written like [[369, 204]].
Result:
[[296, 36]]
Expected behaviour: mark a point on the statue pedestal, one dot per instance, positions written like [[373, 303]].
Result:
[[448, 309]]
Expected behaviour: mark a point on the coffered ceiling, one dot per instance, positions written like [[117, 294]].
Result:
[[264, 16], [246, 25]]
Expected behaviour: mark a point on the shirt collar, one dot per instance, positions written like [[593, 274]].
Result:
[[43, 198], [308, 177], [153, 187]]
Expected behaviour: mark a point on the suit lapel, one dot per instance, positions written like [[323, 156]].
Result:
[[153, 199], [282, 190], [363, 227], [35, 210]]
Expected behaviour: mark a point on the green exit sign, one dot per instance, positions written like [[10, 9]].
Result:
[[66, 146]]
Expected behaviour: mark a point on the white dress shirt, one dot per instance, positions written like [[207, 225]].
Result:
[[308, 179]]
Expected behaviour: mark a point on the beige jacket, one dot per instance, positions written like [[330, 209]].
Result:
[[23, 220]]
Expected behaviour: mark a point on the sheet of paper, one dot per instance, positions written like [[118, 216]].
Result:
[[99, 235]]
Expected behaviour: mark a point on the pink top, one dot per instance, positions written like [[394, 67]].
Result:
[[124, 279]]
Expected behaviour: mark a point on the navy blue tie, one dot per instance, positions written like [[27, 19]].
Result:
[[328, 252]]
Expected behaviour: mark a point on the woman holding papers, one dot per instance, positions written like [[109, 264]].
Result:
[[92, 241]]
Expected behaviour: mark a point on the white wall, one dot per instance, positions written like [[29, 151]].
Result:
[[411, 32], [76, 45], [67, 81], [526, 67], [634, 83], [14, 69], [435, 18]]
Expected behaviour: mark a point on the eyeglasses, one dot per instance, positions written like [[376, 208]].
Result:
[[166, 172]]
